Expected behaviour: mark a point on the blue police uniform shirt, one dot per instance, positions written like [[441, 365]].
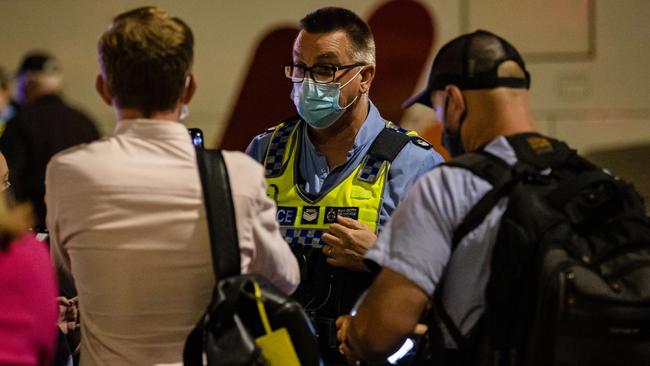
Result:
[[416, 242], [412, 162]]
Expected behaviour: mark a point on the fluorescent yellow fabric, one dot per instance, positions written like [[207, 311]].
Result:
[[276, 345], [353, 197]]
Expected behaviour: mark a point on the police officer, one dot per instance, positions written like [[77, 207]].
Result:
[[478, 86], [338, 169]]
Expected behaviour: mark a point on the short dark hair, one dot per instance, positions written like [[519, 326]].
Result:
[[39, 62], [145, 56], [330, 19]]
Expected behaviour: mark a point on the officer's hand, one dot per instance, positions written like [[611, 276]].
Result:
[[347, 242], [342, 323]]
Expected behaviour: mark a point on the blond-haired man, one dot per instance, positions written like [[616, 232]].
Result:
[[126, 213]]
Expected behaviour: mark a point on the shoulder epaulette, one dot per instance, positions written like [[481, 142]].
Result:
[[415, 139]]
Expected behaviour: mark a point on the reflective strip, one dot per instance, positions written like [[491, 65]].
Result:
[[370, 168], [303, 237], [277, 148]]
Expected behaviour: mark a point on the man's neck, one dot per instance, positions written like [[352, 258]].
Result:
[[498, 128], [335, 141], [501, 115], [129, 113]]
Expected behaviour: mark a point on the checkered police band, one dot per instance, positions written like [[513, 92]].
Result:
[[303, 237], [370, 168], [277, 147]]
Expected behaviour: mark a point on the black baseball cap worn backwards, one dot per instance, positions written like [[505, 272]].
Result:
[[471, 62]]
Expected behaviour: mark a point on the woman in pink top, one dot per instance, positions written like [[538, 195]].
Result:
[[28, 309]]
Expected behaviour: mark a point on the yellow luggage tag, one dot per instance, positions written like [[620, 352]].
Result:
[[276, 345]]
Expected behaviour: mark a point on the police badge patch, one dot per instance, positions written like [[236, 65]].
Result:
[[332, 212], [421, 142], [309, 215]]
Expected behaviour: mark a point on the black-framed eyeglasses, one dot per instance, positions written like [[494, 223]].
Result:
[[322, 74]]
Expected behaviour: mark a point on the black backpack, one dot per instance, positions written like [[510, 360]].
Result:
[[570, 271], [243, 307]]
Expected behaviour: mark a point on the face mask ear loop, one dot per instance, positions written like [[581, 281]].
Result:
[[344, 85], [352, 78]]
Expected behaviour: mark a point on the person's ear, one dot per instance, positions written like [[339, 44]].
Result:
[[455, 105], [367, 75], [101, 85], [190, 88]]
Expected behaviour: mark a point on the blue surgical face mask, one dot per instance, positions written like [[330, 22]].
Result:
[[318, 104]]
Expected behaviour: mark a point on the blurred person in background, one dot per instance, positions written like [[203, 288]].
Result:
[[8, 106], [126, 213], [5, 183], [28, 309], [44, 126]]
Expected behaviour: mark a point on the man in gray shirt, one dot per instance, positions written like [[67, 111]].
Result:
[[479, 89]]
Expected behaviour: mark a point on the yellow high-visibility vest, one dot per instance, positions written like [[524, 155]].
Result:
[[303, 219]]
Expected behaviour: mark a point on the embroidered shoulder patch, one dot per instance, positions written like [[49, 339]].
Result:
[[421, 142]]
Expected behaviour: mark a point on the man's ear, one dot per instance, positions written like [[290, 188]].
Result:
[[190, 88], [455, 105], [367, 75], [102, 89]]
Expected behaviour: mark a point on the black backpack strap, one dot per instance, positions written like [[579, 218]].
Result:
[[222, 229], [443, 315], [496, 172], [500, 175], [220, 213], [193, 349]]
